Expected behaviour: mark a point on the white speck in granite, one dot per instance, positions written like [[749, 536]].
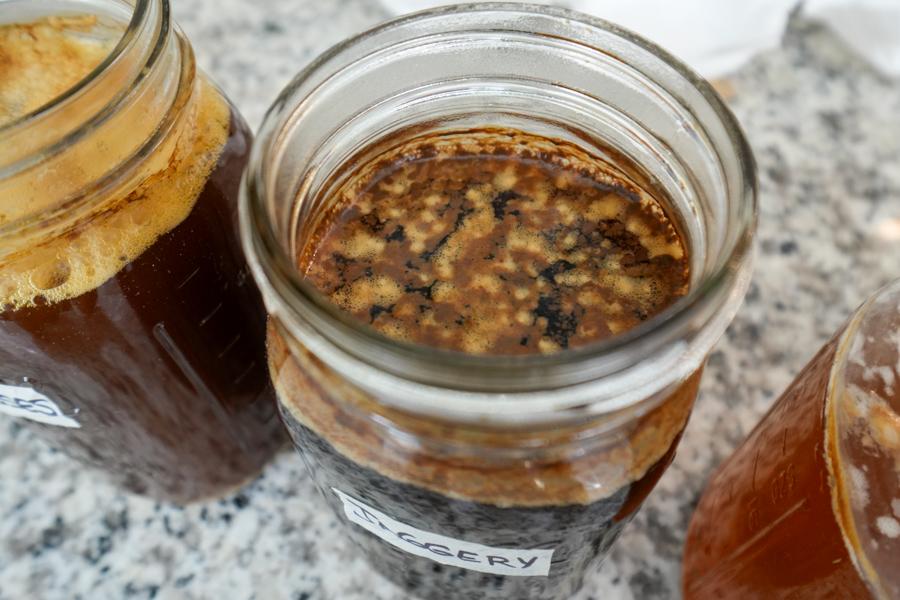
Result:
[[824, 130]]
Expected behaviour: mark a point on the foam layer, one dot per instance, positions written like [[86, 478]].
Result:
[[497, 242], [80, 252], [41, 60]]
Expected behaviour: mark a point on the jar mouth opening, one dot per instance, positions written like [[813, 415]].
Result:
[[294, 288], [127, 41], [147, 56], [277, 274]]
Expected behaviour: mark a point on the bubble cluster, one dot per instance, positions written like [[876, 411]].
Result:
[[43, 59], [72, 254], [497, 242]]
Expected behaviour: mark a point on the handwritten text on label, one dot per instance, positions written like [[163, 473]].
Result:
[[31, 404], [446, 550]]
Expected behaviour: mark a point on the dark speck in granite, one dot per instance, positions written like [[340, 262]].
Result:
[[102, 545], [788, 247], [53, 537], [272, 27]]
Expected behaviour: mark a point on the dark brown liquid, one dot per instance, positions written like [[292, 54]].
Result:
[[765, 527], [164, 364]]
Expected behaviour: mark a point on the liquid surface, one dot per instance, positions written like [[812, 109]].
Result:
[[497, 242], [491, 241], [41, 60]]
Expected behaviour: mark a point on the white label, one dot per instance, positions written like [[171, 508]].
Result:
[[30, 404], [446, 550]]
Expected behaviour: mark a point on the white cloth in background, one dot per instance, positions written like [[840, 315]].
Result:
[[716, 37], [870, 27]]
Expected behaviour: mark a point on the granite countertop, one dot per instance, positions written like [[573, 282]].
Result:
[[825, 131]]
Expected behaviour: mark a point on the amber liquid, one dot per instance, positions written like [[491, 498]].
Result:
[[765, 526], [164, 364]]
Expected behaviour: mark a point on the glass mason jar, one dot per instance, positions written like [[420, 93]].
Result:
[[807, 505], [493, 476], [131, 335]]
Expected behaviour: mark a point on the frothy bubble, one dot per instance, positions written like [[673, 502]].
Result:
[[65, 259], [43, 59], [888, 526], [501, 223], [860, 485]]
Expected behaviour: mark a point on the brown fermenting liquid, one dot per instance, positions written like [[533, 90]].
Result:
[[497, 242], [863, 439], [765, 527], [485, 242], [809, 504], [137, 316], [39, 61]]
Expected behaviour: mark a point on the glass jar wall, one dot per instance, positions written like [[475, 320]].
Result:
[[131, 335], [465, 469]]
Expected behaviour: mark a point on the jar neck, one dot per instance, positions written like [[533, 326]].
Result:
[[560, 70], [62, 158]]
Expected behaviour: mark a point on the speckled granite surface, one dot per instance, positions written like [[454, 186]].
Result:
[[826, 134]]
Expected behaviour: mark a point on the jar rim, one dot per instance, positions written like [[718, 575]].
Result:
[[276, 274], [147, 35], [128, 39]]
